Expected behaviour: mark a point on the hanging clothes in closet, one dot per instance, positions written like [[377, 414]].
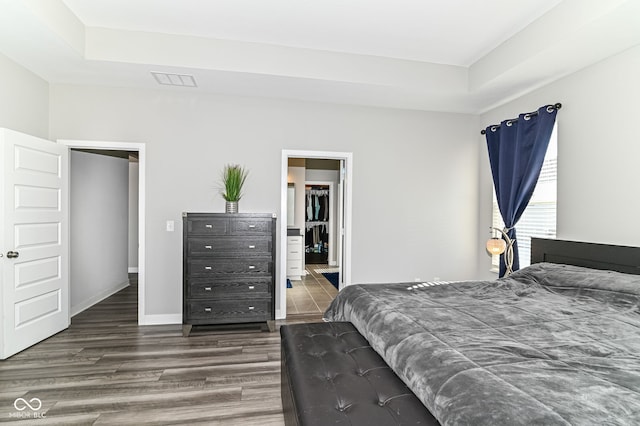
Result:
[[317, 229], [317, 205]]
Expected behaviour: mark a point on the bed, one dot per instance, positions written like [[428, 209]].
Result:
[[555, 343]]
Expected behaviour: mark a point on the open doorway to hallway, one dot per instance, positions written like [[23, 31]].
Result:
[[103, 206], [140, 149]]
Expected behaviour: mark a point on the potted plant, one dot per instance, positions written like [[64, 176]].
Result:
[[233, 178]]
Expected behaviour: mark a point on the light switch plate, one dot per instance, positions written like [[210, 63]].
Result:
[[171, 226]]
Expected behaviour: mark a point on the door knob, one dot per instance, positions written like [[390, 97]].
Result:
[[12, 254]]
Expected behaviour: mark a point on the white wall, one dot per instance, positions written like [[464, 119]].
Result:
[[24, 100], [414, 173], [296, 176], [99, 215], [598, 152], [133, 215]]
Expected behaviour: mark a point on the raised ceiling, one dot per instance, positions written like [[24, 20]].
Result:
[[457, 55], [444, 32]]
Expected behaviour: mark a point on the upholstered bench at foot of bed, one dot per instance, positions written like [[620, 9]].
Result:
[[331, 376]]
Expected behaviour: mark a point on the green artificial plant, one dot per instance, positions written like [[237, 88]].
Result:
[[233, 178]]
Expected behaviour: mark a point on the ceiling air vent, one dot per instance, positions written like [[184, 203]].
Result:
[[169, 79]]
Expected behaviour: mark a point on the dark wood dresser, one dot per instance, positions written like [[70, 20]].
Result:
[[228, 269]]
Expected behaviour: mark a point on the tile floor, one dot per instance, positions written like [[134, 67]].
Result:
[[312, 294]]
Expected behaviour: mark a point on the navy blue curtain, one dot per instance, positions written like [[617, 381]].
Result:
[[516, 152]]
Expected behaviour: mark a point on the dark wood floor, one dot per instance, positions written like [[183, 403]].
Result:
[[105, 369]]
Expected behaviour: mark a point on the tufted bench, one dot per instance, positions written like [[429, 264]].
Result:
[[331, 376]]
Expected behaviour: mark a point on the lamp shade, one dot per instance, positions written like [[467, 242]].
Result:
[[496, 246]]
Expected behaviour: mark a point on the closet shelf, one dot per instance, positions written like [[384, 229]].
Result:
[[317, 191]]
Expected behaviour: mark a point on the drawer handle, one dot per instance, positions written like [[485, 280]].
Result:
[[207, 289], [252, 247], [207, 309], [251, 287], [208, 268], [252, 267], [207, 247], [251, 226], [251, 308], [208, 226]]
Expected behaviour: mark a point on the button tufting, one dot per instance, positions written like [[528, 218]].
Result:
[[343, 408], [343, 383], [331, 375]]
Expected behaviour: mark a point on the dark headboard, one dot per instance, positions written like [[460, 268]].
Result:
[[597, 256]]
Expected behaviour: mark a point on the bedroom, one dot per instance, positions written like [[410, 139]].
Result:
[[441, 229]]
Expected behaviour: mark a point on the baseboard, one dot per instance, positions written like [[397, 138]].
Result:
[[133, 269], [86, 304], [333, 263], [160, 319]]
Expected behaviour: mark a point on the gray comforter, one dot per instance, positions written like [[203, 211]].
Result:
[[552, 344]]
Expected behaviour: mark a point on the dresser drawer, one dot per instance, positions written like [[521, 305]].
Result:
[[251, 226], [295, 240], [229, 311], [204, 288], [294, 255], [207, 226], [203, 246], [293, 270], [213, 266]]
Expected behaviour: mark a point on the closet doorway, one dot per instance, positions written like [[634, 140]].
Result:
[[320, 230], [314, 227]]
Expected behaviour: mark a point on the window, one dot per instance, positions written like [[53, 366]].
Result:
[[539, 219]]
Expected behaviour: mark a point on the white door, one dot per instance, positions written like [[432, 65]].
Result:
[[34, 291], [341, 194]]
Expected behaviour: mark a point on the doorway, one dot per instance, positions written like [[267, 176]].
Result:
[[101, 188], [341, 251], [320, 221], [139, 149]]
